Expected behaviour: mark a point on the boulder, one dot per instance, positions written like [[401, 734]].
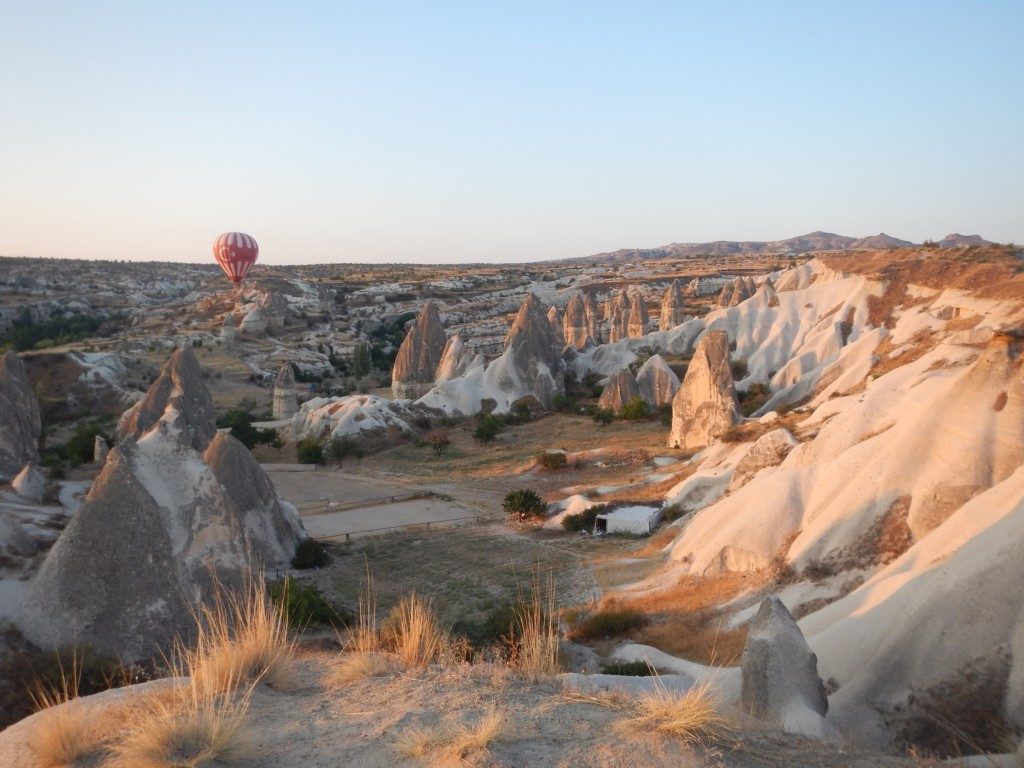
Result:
[[15, 542], [19, 418], [419, 355], [779, 675], [656, 382], [705, 407], [286, 402], [29, 483], [177, 396], [672, 306], [177, 510], [618, 391], [637, 323], [768, 451]]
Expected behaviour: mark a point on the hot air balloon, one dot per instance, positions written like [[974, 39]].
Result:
[[236, 253]]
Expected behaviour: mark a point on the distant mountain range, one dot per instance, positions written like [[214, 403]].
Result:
[[809, 243]]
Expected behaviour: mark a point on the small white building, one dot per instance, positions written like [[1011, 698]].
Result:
[[638, 521]]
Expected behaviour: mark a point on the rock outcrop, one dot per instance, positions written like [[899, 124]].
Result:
[[672, 307], [29, 483], [179, 397], [100, 449], [419, 355], [286, 403], [577, 324], [19, 418], [177, 509], [656, 382], [227, 330], [254, 322], [736, 292], [705, 406], [779, 672], [275, 309], [556, 326], [616, 315], [454, 359], [620, 390], [593, 317], [636, 326], [768, 451], [535, 353]]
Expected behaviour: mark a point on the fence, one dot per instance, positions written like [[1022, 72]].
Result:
[[425, 525]]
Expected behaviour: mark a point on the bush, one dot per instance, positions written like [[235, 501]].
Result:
[[739, 369], [310, 554], [607, 623], [309, 451], [604, 416], [438, 440], [628, 668], [303, 604], [636, 410], [240, 423], [672, 512], [79, 448], [338, 448], [487, 429], [498, 625], [585, 520], [552, 460], [524, 503], [561, 403]]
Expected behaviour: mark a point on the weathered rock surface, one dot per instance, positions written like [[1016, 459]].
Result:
[[576, 323], [29, 483], [656, 382], [275, 309], [705, 406], [176, 508], [454, 359], [620, 390], [637, 324], [254, 322], [768, 451], [672, 306], [15, 542], [286, 402], [780, 679], [736, 292], [19, 418], [179, 397], [556, 326], [227, 330], [535, 353], [593, 317], [419, 355], [616, 315], [100, 449]]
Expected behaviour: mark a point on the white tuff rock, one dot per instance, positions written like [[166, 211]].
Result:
[[705, 406]]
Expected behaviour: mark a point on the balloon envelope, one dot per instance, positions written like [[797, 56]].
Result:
[[235, 252]]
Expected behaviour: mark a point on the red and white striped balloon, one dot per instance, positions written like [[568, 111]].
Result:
[[235, 252]]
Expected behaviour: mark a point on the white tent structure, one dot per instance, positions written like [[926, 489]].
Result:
[[639, 521]]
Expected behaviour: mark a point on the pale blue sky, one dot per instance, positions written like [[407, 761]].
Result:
[[480, 131]]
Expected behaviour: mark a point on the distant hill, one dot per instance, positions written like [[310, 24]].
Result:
[[809, 243]]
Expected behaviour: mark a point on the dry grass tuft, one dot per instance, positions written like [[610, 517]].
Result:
[[457, 740], [365, 637], [535, 650], [356, 666], [692, 717], [421, 740], [415, 633], [189, 728], [242, 639], [475, 738], [65, 732]]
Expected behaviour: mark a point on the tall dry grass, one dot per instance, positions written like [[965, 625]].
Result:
[[242, 639], [535, 640], [415, 633], [691, 717], [457, 740], [64, 732]]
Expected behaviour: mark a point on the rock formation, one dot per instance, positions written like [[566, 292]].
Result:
[[556, 326], [736, 292], [705, 406], [275, 309], [693, 287], [419, 355], [100, 449], [672, 306], [454, 359], [636, 325], [780, 679], [618, 391], [254, 322], [29, 483], [768, 293], [535, 353], [19, 418], [616, 315], [178, 396], [768, 451], [286, 403], [593, 316], [656, 382], [176, 508], [227, 330], [576, 323]]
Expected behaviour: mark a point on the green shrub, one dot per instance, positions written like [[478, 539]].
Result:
[[240, 423], [628, 668], [310, 553], [499, 624], [561, 402], [79, 447], [339, 448], [487, 429], [672, 512], [524, 503], [636, 410], [585, 520], [304, 604], [552, 460], [610, 622], [739, 368], [309, 451], [604, 416]]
